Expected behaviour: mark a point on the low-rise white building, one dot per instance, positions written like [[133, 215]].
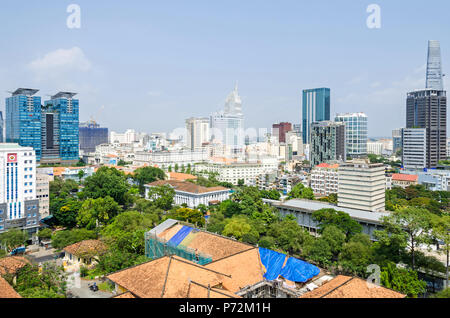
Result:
[[233, 172], [190, 193], [166, 159]]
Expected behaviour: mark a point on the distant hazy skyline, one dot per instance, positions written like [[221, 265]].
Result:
[[149, 65]]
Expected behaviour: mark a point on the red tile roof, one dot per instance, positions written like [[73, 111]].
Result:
[[6, 291], [405, 177], [87, 247], [185, 186], [11, 264], [351, 287]]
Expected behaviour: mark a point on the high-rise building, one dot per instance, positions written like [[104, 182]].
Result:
[[414, 148], [23, 119], [362, 185], [19, 207], [227, 126], [355, 133], [197, 133], [63, 109], [51, 130], [92, 135], [316, 107], [434, 66], [280, 130], [396, 140], [428, 109], [327, 142], [297, 128], [375, 148], [1, 127]]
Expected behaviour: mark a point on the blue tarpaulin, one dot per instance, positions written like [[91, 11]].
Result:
[[272, 261], [297, 270], [180, 236]]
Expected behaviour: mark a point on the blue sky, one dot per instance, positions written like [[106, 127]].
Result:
[[149, 65]]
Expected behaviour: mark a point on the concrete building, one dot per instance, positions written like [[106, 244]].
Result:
[[327, 142], [19, 206], [166, 159], [355, 133], [362, 185], [197, 133], [43, 178], [397, 142], [279, 131], [428, 109], [302, 210], [414, 148], [375, 148], [233, 172], [190, 193], [404, 180], [325, 179]]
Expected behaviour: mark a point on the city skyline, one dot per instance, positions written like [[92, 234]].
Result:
[[179, 73]]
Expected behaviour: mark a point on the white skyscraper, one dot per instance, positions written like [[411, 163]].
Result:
[[434, 66], [19, 207], [355, 133], [227, 126], [197, 133]]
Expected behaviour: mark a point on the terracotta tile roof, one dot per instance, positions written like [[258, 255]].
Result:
[[166, 277], [170, 232], [93, 247], [405, 177], [11, 264], [197, 290], [187, 186], [125, 295], [245, 269], [6, 291], [216, 246], [180, 176], [351, 287]]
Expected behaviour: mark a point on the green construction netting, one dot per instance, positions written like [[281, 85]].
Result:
[[156, 248]]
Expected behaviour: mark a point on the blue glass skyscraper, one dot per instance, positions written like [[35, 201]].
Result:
[[51, 129], [66, 109], [316, 107], [23, 119]]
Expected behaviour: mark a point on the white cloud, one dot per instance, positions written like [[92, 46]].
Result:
[[154, 94], [60, 62]]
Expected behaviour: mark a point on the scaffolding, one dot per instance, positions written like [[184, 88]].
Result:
[[156, 247]]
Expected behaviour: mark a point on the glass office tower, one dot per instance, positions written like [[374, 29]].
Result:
[[23, 119], [315, 108], [434, 66], [355, 133], [67, 109]]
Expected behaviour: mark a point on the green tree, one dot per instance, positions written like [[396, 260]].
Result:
[[340, 219], [97, 212], [107, 182], [61, 239], [299, 191], [289, 236], [442, 294], [415, 223], [45, 233], [241, 182], [402, 280], [162, 197], [237, 227], [50, 282], [81, 174], [319, 251], [440, 232], [357, 254], [146, 175], [12, 239], [334, 237], [65, 211], [192, 216], [176, 167]]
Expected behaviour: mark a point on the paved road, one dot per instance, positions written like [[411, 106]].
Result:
[[81, 289]]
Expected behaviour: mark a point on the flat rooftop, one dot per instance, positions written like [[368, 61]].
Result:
[[64, 95], [25, 91], [316, 205]]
